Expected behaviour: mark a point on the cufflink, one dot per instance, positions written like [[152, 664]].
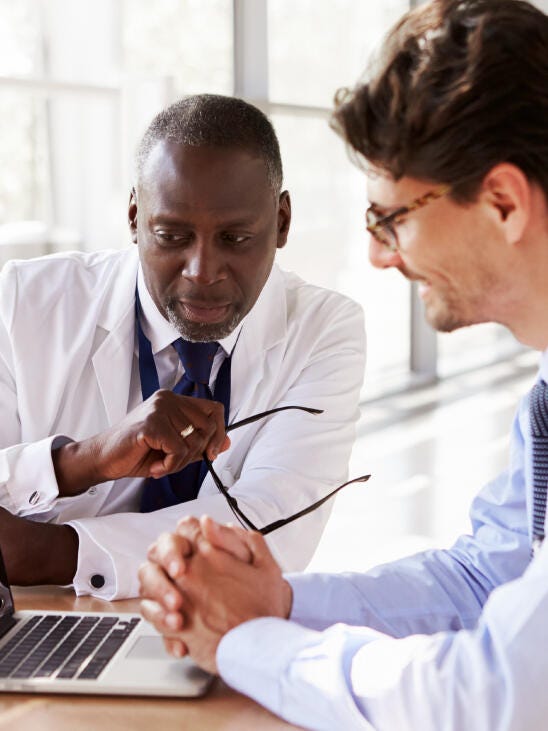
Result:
[[97, 581]]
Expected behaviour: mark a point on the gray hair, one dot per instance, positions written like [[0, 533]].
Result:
[[212, 120]]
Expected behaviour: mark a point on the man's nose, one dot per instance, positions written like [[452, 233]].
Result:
[[381, 256], [203, 263]]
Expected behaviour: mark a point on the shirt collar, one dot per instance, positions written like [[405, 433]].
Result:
[[160, 331]]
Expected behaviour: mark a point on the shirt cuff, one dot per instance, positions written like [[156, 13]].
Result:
[[30, 481], [299, 674], [95, 573], [253, 657]]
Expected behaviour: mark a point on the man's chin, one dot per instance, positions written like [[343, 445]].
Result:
[[443, 320], [203, 332]]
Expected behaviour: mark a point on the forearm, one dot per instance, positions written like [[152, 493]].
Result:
[[37, 553], [77, 467], [425, 593], [354, 677], [432, 591]]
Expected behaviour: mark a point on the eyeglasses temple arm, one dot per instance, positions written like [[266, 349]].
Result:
[[230, 500], [256, 417], [284, 521]]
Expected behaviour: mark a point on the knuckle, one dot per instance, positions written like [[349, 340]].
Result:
[[159, 398], [142, 572], [162, 539], [187, 520]]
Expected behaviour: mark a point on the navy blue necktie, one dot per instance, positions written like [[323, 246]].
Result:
[[538, 414], [197, 361]]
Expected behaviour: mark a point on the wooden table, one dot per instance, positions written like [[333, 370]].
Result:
[[222, 709]]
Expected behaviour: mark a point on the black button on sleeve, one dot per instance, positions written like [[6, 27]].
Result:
[[97, 581]]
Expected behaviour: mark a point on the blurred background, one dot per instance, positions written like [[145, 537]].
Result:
[[80, 81]]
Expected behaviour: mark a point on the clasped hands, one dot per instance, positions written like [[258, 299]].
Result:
[[203, 580]]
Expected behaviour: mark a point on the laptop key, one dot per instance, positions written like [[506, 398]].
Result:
[[27, 644], [45, 648], [64, 651], [18, 636], [107, 650], [87, 648]]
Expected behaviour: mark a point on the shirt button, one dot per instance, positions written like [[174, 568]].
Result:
[[34, 498], [97, 581], [92, 490]]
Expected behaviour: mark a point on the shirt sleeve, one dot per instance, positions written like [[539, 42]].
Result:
[[28, 485], [435, 590], [489, 677]]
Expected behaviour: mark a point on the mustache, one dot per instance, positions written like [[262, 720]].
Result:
[[198, 298]]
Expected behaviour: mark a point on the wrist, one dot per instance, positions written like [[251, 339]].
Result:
[[76, 467], [287, 599], [38, 553], [63, 562]]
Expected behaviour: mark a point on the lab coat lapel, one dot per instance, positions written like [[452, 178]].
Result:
[[113, 359], [263, 328]]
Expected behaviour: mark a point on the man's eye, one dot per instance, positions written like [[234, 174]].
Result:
[[235, 239], [169, 238], [400, 218]]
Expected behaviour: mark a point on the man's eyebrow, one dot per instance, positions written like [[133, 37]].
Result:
[[171, 220], [167, 220]]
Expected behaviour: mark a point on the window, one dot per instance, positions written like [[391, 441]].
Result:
[[79, 82]]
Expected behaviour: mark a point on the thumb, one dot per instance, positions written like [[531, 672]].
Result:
[[232, 540], [260, 553]]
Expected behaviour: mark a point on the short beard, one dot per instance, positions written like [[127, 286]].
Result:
[[446, 317], [201, 332], [445, 322]]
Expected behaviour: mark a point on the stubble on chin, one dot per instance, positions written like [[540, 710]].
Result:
[[444, 322], [197, 332], [443, 315]]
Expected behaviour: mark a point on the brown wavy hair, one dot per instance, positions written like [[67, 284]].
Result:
[[458, 86]]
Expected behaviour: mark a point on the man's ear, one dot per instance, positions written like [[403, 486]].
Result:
[[284, 218], [507, 190], [132, 215]]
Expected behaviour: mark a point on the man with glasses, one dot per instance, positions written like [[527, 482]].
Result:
[[121, 373], [452, 123]]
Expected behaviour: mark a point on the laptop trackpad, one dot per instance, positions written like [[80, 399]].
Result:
[[148, 648]]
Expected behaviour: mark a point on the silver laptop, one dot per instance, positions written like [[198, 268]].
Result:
[[88, 652]]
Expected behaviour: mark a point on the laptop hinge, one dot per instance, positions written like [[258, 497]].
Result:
[[6, 623]]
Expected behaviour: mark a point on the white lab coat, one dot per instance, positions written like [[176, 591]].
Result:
[[67, 334]]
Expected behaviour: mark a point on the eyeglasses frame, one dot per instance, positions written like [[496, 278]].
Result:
[[233, 503], [378, 226]]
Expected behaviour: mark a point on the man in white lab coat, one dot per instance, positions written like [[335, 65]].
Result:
[[86, 449]]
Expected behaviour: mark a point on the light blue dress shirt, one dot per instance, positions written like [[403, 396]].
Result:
[[446, 640]]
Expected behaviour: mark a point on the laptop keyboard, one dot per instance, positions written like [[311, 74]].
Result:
[[64, 646]]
